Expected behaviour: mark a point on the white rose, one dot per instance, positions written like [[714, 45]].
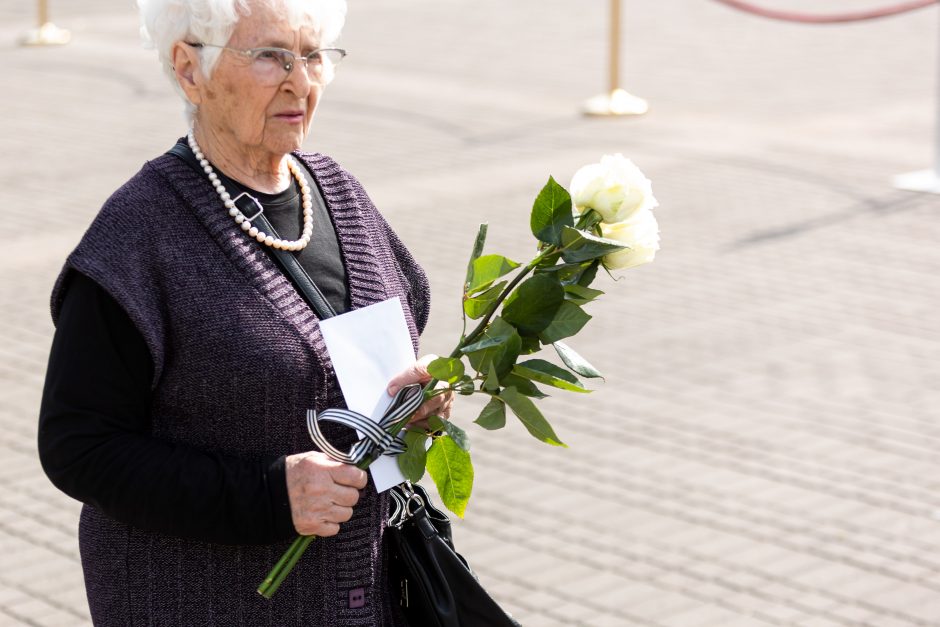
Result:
[[615, 188], [640, 233]]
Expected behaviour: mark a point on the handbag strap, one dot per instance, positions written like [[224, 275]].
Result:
[[287, 261]]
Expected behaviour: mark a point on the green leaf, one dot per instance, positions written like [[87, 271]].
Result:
[[436, 424], [570, 272], [487, 269], [480, 305], [550, 212], [412, 461], [526, 411], [458, 435], [579, 273], [452, 471], [477, 251], [448, 369], [508, 355], [560, 268], [524, 386], [579, 295], [501, 345], [576, 362], [548, 261], [493, 415], [587, 277], [533, 304], [581, 246], [497, 332], [549, 374], [588, 220], [491, 382], [530, 344], [568, 320]]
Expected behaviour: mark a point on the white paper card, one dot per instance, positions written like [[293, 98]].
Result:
[[368, 347]]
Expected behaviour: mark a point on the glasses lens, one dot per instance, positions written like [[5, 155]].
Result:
[[332, 56], [321, 64], [271, 65]]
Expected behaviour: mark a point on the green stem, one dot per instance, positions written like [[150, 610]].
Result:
[[505, 293], [284, 565]]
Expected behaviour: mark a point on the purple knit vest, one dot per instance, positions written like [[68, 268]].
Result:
[[238, 359]]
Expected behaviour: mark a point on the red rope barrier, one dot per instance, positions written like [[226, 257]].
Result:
[[809, 18]]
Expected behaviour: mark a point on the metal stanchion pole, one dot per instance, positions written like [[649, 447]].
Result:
[[926, 180], [47, 34], [616, 101], [614, 65]]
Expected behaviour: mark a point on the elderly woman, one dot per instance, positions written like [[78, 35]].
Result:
[[184, 358]]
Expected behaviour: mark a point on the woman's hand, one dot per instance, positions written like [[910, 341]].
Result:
[[438, 405], [322, 492]]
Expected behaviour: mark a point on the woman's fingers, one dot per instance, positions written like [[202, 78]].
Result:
[[344, 474], [322, 492], [415, 373], [346, 497], [338, 514], [437, 405]]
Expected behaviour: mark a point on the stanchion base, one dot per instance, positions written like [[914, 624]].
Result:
[[922, 181], [617, 102], [46, 35]]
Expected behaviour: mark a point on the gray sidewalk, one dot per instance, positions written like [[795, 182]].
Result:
[[766, 448]]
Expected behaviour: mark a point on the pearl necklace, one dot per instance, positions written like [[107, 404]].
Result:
[[243, 221]]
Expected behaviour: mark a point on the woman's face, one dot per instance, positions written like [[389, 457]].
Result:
[[248, 114]]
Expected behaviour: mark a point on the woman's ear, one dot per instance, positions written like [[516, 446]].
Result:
[[186, 67]]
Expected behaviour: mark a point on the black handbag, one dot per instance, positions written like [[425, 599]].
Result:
[[431, 581]]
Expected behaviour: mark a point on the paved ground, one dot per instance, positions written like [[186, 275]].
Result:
[[766, 449]]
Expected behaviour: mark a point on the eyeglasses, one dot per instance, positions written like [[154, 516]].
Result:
[[272, 66]]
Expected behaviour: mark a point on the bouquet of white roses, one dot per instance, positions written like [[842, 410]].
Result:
[[606, 221]]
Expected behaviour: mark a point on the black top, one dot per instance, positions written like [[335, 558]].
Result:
[[94, 424]]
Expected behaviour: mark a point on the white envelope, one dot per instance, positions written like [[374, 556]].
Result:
[[368, 347]]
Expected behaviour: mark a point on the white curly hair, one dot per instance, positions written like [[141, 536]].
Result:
[[165, 22]]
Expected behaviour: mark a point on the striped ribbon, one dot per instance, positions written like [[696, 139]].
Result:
[[376, 440]]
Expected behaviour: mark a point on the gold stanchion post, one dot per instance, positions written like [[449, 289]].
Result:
[[616, 101], [47, 34], [925, 180]]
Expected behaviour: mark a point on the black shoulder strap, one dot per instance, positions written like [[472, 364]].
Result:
[[289, 264]]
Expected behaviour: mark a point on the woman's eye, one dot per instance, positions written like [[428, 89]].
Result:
[[269, 55]]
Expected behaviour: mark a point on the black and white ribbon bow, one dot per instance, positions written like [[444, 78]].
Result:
[[376, 440]]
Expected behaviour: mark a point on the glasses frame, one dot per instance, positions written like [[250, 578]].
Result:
[[288, 67]]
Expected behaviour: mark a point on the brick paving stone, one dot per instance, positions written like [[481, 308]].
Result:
[[571, 612], [816, 622], [662, 605], [560, 578], [711, 616], [913, 600], [611, 620], [781, 614], [814, 601], [744, 601], [766, 436], [886, 621], [855, 614], [37, 609], [10, 596]]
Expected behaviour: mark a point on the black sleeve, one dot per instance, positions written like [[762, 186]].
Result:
[[95, 443]]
